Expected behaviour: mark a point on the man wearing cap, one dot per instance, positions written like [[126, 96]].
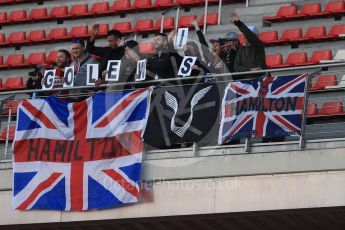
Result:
[[251, 55], [230, 45], [80, 60]]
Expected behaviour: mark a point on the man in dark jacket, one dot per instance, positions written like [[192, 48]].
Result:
[[251, 55], [163, 63], [111, 52], [230, 44]]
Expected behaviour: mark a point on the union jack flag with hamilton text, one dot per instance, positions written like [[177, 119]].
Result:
[[263, 107], [82, 155]]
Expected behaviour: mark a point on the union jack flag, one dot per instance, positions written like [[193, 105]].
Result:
[[79, 156], [264, 107]]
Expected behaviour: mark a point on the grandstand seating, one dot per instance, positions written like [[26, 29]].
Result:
[[51, 57], [211, 19], [10, 105], [59, 12], [79, 31], [163, 3], [147, 48], [79, 10], [38, 14], [169, 23], [124, 27], [17, 16], [15, 60], [320, 55], [37, 36], [312, 110], [16, 37], [143, 25], [3, 134], [121, 5], [309, 10], [36, 58], [331, 108], [142, 4], [2, 88], [186, 21], [100, 8], [324, 81], [14, 83]]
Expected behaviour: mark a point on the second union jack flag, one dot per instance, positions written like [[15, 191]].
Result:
[[79, 156], [264, 107]]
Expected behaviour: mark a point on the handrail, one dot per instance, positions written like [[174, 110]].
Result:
[[182, 78]]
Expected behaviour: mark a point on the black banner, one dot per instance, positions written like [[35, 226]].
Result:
[[184, 114]]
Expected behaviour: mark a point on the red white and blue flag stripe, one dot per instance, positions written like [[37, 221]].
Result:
[[79, 156], [263, 107]]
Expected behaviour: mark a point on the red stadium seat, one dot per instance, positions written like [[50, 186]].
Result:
[[310, 9], [169, 23], [100, 8], [11, 131], [312, 110], [320, 55], [2, 39], [121, 5], [282, 13], [51, 57], [188, 2], [14, 83], [36, 58], [57, 33], [123, 27], [13, 105], [142, 4], [268, 36], [211, 19], [16, 37], [3, 17], [15, 60], [331, 108], [79, 10], [2, 88], [315, 33], [103, 29], [163, 3], [79, 31], [186, 21], [41, 13], [291, 35], [323, 81], [143, 25], [296, 59], [36, 36], [59, 12], [274, 60], [19, 15], [334, 8], [147, 48], [1, 63], [336, 30]]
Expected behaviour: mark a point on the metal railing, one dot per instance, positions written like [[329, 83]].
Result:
[[308, 132]]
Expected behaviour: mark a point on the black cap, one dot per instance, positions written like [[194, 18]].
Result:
[[78, 40]]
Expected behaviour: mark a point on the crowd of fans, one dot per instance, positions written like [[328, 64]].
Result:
[[225, 56]]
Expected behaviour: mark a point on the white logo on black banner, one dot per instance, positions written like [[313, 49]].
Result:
[[172, 103]]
